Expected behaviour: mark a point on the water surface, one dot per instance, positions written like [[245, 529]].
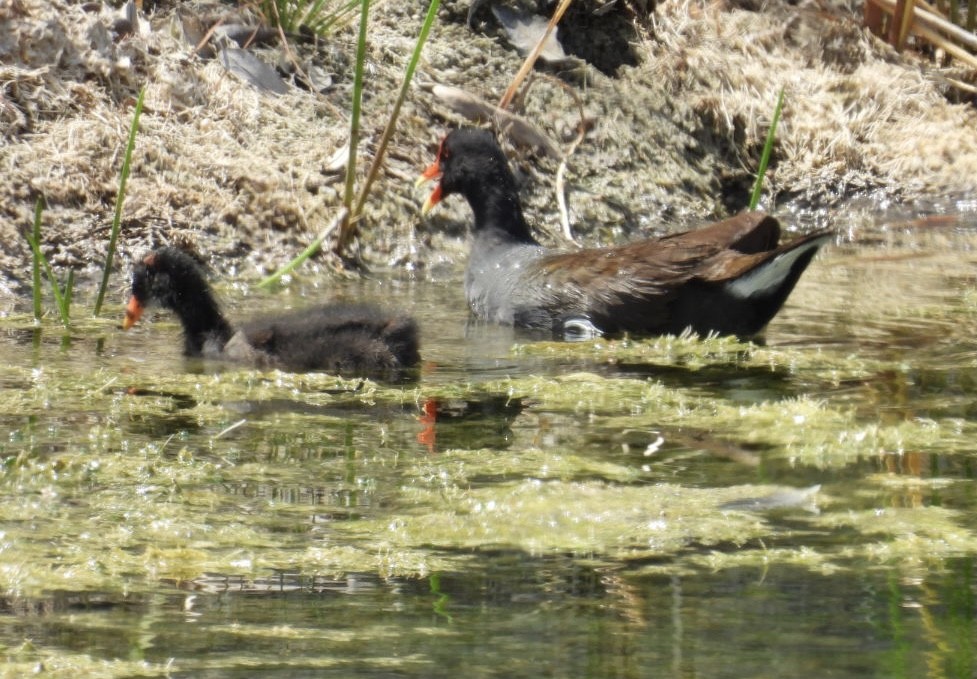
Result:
[[609, 509]]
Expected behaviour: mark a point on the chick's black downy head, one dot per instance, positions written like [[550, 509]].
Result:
[[168, 277], [174, 280]]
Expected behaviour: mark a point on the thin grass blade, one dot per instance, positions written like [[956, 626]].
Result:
[[119, 200], [55, 288], [35, 261], [345, 237], [305, 254], [69, 291], [354, 119], [767, 149]]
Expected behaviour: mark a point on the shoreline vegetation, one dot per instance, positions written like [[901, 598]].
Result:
[[248, 174]]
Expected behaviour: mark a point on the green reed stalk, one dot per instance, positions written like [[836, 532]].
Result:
[[312, 248], [119, 199], [354, 137], [69, 291], [35, 260], [346, 234], [62, 299], [348, 217], [767, 149], [354, 119]]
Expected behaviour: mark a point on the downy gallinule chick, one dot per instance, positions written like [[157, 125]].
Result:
[[730, 277], [345, 338]]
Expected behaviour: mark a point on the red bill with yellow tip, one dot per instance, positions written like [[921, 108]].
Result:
[[431, 173], [133, 313]]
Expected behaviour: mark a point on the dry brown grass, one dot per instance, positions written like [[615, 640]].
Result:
[[245, 174]]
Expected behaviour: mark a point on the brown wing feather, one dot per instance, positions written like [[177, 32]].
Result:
[[597, 282], [747, 232], [651, 268], [730, 264], [649, 273]]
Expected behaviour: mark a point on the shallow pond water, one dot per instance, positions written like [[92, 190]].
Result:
[[670, 507]]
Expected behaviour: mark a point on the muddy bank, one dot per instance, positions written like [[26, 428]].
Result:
[[249, 177]]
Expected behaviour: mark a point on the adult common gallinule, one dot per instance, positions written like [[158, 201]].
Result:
[[347, 338], [730, 277]]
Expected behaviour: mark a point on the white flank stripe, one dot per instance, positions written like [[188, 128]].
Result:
[[765, 279]]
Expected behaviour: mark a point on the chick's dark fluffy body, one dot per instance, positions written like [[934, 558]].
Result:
[[339, 337]]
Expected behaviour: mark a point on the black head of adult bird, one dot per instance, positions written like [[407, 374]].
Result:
[[346, 338], [730, 277]]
